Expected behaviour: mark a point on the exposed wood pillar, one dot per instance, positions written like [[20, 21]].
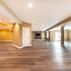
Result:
[[49, 35], [62, 36], [68, 35], [45, 35]]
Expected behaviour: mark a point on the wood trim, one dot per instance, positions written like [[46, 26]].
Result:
[[64, 22], [6, 41], [62, 36], [25, 24], [17, 46]]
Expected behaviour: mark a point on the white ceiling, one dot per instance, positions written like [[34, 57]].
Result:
[[42, 15]]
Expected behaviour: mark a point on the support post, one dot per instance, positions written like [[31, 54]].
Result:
[[49, 35], [62, 36], [45, 35]]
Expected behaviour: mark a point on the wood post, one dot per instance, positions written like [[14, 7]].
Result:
[[62, 36], [45, 35], [49, 35]]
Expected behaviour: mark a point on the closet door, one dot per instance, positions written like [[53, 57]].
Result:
[[26, 40]]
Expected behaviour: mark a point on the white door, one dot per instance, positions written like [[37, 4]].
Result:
[[26, 40]]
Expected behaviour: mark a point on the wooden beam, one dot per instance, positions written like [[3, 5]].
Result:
[[62, 36], [60, 23]]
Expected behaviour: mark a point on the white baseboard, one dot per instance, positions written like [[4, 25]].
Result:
[[26, 46], [21, 46], [17, 46]]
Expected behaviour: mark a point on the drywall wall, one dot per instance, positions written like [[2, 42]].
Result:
[[43, 35], [66, 35], [69, 35], [52, 35], [17, 35], [6, 36]]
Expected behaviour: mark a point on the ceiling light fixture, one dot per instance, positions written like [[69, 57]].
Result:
[[56, 21], [30, 5], [42, 25], [12, 21]]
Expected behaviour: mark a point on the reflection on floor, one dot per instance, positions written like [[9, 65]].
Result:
[[42, 56], [68, 44]]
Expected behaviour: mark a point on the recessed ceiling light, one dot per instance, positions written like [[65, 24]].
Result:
[[42, 25], [30, 5], [56, 21], [12, 21]]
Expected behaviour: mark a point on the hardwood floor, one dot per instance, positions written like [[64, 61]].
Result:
[[42, 56]]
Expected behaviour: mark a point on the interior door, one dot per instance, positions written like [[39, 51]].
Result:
[[26, 40]]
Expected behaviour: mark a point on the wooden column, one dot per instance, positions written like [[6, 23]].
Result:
[[62, 36], [45, 35], [49, 35]]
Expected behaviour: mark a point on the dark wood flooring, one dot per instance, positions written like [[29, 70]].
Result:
[[42, 56]]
